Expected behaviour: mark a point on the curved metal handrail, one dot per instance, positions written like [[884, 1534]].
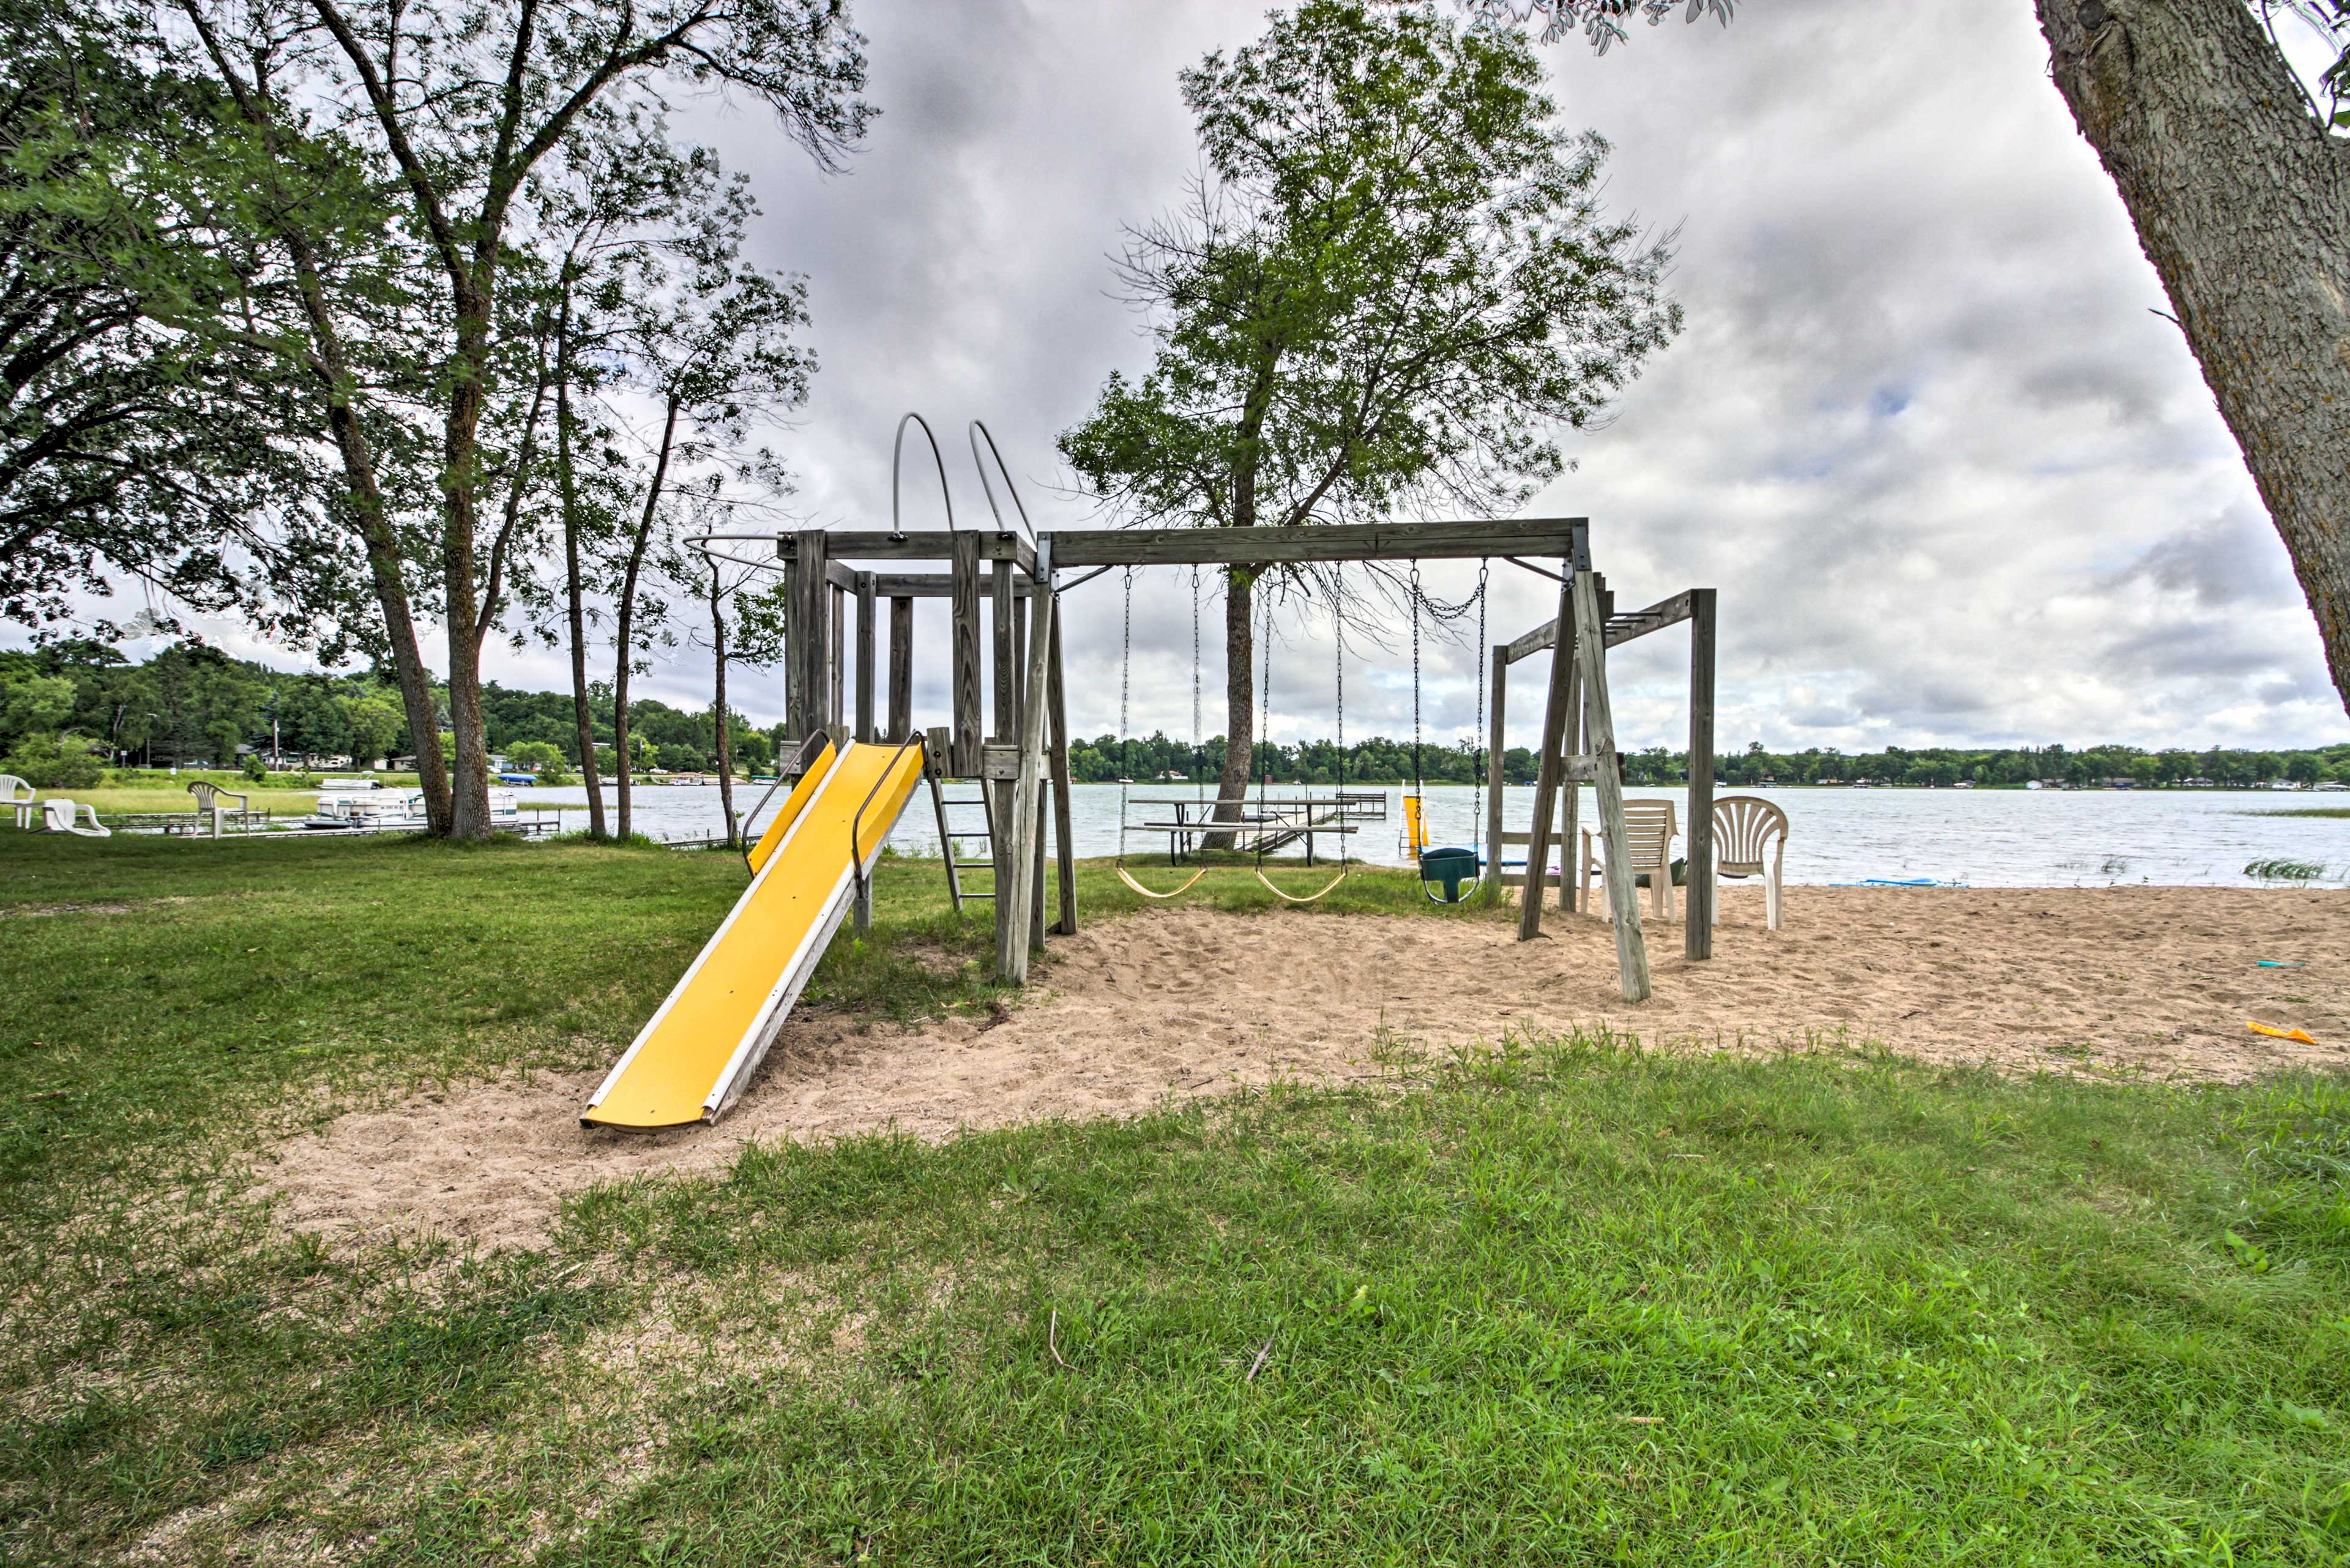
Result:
[[974, 432], [897, 451], [810, 750], [857, 823]]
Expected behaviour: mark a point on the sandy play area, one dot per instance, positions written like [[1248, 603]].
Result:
[[1180, 1002]]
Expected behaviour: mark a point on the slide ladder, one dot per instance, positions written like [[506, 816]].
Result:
[[695, 1057]]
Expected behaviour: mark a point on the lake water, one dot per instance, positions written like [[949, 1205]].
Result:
[[1989, 838]]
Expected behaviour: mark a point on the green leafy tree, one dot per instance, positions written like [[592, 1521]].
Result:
[[31, 703], [374, 725], [464, 105], [53, 762], [126, 445], [1391, 286]]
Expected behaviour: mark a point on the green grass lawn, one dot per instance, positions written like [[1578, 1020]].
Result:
[[1558, 1300]]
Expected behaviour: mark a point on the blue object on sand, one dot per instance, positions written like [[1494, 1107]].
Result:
[[2274, 963]]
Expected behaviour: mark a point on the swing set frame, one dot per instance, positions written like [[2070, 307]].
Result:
[[1016, 746]]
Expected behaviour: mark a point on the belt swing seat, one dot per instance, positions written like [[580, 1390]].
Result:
[[1126, 772], [1266, 823]]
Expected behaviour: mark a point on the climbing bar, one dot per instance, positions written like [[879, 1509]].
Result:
[[1567, 537]]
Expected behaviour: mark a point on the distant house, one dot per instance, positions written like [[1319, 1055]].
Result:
[[2198, 782], [1964, 784], [2119, 783]]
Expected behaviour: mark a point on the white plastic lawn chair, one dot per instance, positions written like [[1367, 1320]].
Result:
[[209, 797], [17, 794], [1649, 830], [60, 816], [1746, 829]]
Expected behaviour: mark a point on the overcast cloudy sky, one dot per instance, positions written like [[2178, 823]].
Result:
[[1954, 478]]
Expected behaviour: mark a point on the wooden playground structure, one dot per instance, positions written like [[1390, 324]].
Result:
[[1009, 735]]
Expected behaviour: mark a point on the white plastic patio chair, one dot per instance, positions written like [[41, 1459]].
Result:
[[18, 794], [60, 816], [1747, 828], [209, 797], [1649, 830]]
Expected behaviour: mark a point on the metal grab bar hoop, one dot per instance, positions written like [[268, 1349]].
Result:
[[976, 430], [897, 451]]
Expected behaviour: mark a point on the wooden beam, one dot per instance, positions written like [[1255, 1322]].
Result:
[[806, 680], [1065, 843], [901, 668], [1570, 811], [846, 545], [1560, 537], [1699, 939], [923, 585], [838, 672], [1546, 784], [1017, 881], [968, 722], [1621, 629], [1623, 897], [865, 671], [1004, 728], [1003, 604], [1494, 751]]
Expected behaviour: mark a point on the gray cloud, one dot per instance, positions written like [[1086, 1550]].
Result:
[[1954, 480]]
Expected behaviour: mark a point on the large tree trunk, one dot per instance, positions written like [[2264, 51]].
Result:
[[583, 713], [2242, 203], [332, 367], [1239, 700], [468, 793]]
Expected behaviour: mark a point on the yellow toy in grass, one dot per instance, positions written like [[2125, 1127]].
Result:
[[2259, 1028]]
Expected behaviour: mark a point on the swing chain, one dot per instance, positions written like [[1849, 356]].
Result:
[[1124, 690], [1196, 747], [1477, 763], [1416, 600]]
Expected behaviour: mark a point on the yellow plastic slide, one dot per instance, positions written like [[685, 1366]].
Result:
[[691, 1060]]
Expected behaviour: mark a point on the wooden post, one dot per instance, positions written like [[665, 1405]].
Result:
[[1006, 598], [1570, 843], [1004, 726], [1494, 751], [1065, 853], [965, 615], [1018, 879], [804, 678], [865, 605], [1623, 897], [901, 670], [1699, 938], [1547, 778], [837, 676]]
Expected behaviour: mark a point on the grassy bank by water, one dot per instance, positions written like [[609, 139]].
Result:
[[1559, 1299]]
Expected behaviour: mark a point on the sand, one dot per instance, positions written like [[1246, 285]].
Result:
[[1182, 1003]]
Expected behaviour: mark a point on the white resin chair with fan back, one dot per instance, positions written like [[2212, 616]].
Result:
[[1649, 828], [1749, 839]]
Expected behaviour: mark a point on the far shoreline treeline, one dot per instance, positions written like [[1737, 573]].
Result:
[[191, 706]]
